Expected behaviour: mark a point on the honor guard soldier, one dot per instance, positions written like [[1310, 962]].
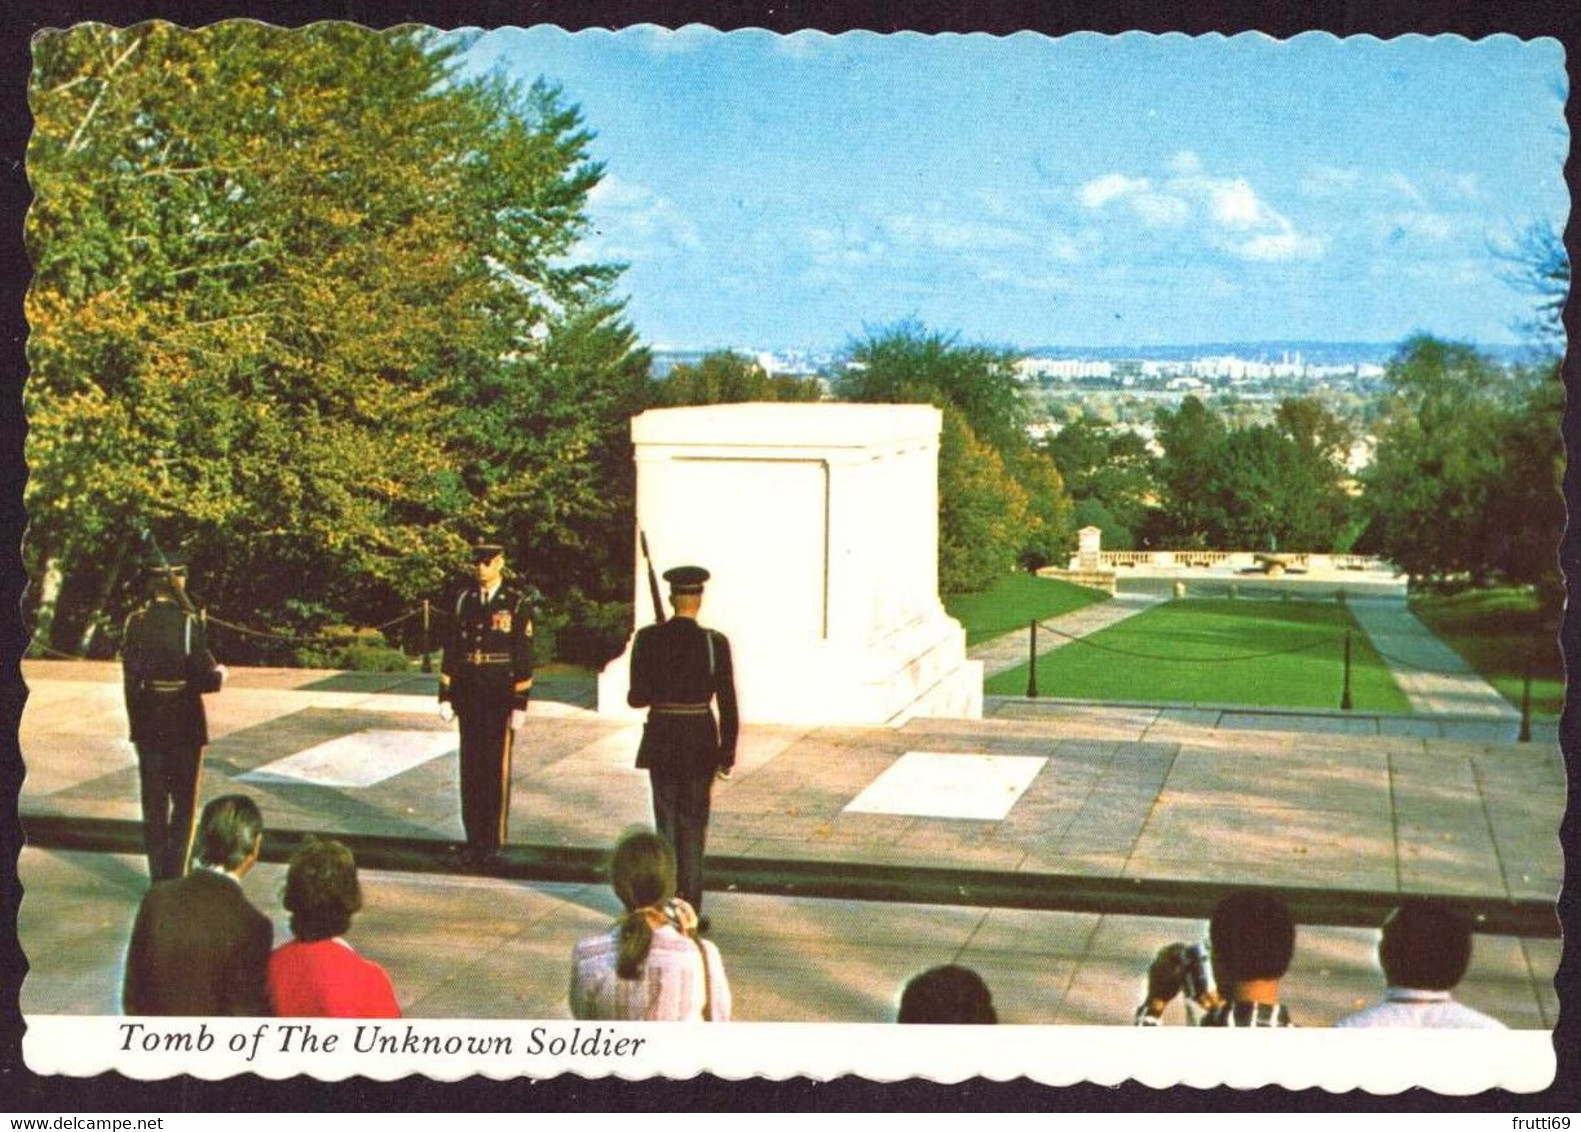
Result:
[[167, 669], [679, 670], [484, 683]]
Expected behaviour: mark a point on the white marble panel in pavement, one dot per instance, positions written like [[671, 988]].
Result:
[[928, 784], [359, 760]]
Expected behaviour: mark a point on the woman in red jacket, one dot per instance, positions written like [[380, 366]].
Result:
[[317, 974]]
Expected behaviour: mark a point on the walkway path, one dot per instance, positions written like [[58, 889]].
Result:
[[1005, 652], [1431, 674]]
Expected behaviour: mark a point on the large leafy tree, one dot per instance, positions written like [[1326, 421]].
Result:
[[1001, 502], [1109, 472], [1272, 486], [290, 288], [1465, 481]]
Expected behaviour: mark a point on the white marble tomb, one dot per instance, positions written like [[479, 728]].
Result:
[[819, 523]]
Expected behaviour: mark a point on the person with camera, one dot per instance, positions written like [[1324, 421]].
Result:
[[1251, 939], [651, 966]]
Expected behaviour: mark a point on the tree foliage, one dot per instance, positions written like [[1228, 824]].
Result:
[[304, 301], [1259, 486], [1001, 502], [1469, 459], [724, 377], [1109, 472]]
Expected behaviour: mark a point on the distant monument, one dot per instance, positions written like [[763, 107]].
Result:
[[820, 525]]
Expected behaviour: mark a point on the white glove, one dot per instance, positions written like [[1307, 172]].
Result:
[[518, 719], [446, 712], [220, 668]]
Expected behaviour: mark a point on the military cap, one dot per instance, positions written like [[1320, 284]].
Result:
[[486, 551], [686, 579], [162, 566]]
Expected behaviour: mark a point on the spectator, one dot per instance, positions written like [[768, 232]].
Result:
[[317, 974], [1424, 950], [651, 966], [198, 946], [1252, 939], [948, 995]]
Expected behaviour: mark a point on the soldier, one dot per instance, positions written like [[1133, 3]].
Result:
[[167, 669], [678, 669], [484, 682]]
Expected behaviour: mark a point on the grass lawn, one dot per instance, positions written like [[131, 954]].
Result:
[[1014, 601], [1215, 651], [1493, 630]]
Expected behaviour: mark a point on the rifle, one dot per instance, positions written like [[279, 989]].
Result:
[[170, 572], [653, 581]]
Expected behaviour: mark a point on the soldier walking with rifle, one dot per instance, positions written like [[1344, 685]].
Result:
[[167, 670], [679, 670]]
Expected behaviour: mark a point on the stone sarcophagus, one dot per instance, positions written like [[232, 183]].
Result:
[[819, 523]]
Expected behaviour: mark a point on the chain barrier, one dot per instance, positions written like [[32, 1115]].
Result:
[[1045, 626]]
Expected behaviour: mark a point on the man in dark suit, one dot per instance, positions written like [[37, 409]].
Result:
[[678, 671], [167, 670], [484, 682], [198, 946]]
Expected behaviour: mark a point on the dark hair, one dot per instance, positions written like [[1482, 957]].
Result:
[[321, 890], [948, 995], [1253, 937], [231, 827], [642, 871], [1425, 946]]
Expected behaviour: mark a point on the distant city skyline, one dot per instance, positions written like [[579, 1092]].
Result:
[[787, 192]]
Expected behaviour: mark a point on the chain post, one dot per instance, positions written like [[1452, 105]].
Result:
[[1032, 662], [1345, 703], [428, 660], [1526, 700]]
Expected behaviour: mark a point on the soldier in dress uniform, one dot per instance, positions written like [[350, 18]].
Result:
[[484, 683], [678, 671], [167, 669]]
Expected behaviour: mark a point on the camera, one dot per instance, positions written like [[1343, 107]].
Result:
[[1197, 980]]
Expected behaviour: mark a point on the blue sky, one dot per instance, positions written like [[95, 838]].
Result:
[[782, 192]]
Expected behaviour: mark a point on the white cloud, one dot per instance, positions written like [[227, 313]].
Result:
[[1228, 210], [1277, 246], [1402, 184], [950, 233], [1101, 190], [632, 222], [1235, 205]]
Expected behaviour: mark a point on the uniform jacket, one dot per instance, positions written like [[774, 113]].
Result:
[[167, 668], [198, 947], [677, 670], [489, 651]]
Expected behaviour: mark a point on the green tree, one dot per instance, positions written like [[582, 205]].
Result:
[[725, 377], [907, 362], [286, 285], [1431, 485], [982, 510], [1000, 501], [1191, 437], [1109, 473]]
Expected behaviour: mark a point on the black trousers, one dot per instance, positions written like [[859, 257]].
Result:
[[681, 803], [486, 742], [168, 778]]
